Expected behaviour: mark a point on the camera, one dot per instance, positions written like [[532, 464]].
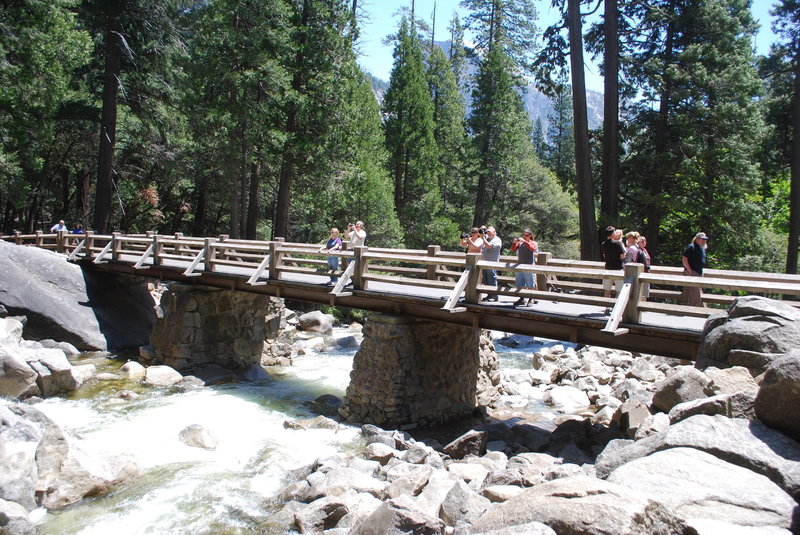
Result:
[[481, 231], [350, 225], [464, 235]]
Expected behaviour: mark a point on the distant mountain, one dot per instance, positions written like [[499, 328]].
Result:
[[536, 103]]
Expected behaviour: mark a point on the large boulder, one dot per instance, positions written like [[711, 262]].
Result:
[[91, 310], [68, 474], [684, 384], [399, 516], [778, 399], [746, 443], [14, 519], [16, 377], [586, 506], [753, 333], [697, 485], [316, 321]]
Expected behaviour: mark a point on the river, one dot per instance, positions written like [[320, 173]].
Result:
[[189, 490]]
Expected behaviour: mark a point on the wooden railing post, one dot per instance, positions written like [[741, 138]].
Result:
[[117, 245], [149, 233], [471, 294], [89, 245], [17, 237], [61, 241], [158, 248], [344, 260], [176, 249], [223, 253], [361, 268], [430, 274], [541, 278], [632, 272], [38, 238], [209, 255], [275, 259]]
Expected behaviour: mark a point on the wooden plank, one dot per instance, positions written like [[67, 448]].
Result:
[[140, 263], [619, 308], [455, 295], [677, 310], [344, 280], [197, 259], [253, 280], [424, 283], [723, 284]]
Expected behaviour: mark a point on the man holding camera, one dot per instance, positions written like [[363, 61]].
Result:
[[525, 247], [356, 234], [490, 251]]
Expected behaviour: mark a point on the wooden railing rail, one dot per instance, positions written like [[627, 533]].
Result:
[[576, 281]]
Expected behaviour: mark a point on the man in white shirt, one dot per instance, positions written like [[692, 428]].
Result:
[[58, 227], [356, 233], [490, 251]]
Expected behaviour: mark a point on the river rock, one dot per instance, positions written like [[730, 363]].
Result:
[[470, 443], [18, 478], [462, 504], [531, 528], [695, 484], [753, 333], [778, 400], [317, 422], [316, 321], [161, 376], [730, 380], [197, 436], [16, 377], [399, 516], [14, 519], [736, 405], [67, 474], [53, 294], [133, 370], [587, 506], [684, 384], [655, 423], [745, 443], [567, 399], [378, 451]]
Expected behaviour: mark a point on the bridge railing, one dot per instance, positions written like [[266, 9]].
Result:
[[456, 274]]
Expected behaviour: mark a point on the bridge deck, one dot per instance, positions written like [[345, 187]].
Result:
[[439, 285]]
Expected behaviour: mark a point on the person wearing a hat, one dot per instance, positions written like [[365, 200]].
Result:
[[694, 260]]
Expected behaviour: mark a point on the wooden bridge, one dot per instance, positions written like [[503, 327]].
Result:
[[437, 285]]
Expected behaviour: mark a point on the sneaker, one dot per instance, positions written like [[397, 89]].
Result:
[[532, 301], [519, 302]]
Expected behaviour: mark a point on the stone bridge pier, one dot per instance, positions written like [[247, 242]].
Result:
[[419, 372], [198, 325]]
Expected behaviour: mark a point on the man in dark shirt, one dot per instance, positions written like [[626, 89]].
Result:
[[613, 253], [694, 260]]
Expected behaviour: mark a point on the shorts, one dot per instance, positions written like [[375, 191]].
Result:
[[608, 283], [524, 280]]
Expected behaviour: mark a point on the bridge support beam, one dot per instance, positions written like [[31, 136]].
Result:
[[417, 372], [199, 325]]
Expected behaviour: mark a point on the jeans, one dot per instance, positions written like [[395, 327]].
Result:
[[490, 277], [333, 265]]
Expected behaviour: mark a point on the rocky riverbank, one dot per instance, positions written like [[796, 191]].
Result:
[[622, 443]]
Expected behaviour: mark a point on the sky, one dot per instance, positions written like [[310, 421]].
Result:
[[376, 58]]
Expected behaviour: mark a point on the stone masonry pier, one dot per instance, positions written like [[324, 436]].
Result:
[[418, 372]]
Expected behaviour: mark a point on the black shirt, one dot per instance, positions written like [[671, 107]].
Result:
[[612, 249]]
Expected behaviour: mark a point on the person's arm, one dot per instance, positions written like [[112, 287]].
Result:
[[686, 265], [515, 245]]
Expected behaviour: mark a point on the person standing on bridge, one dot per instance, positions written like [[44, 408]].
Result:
[[613, 254], [644, 258], [58, 227], [334, 243], [525, 248], [356, 234], [490, 251], [473, 242], [694, 260]]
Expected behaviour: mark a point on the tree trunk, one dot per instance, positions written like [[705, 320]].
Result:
[[233, 180], [590, 247], [609, 196], [794, 194], [287, 170], [108, 128], [658, 173], [252, 207]]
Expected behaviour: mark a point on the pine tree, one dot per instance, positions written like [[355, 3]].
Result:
[[413, 152]]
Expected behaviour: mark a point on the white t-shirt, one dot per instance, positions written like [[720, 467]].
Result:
[[357, 237]]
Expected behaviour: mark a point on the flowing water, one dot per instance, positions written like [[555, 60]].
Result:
[[188, 490]]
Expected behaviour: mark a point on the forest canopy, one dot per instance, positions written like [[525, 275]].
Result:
[[254, 119]]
